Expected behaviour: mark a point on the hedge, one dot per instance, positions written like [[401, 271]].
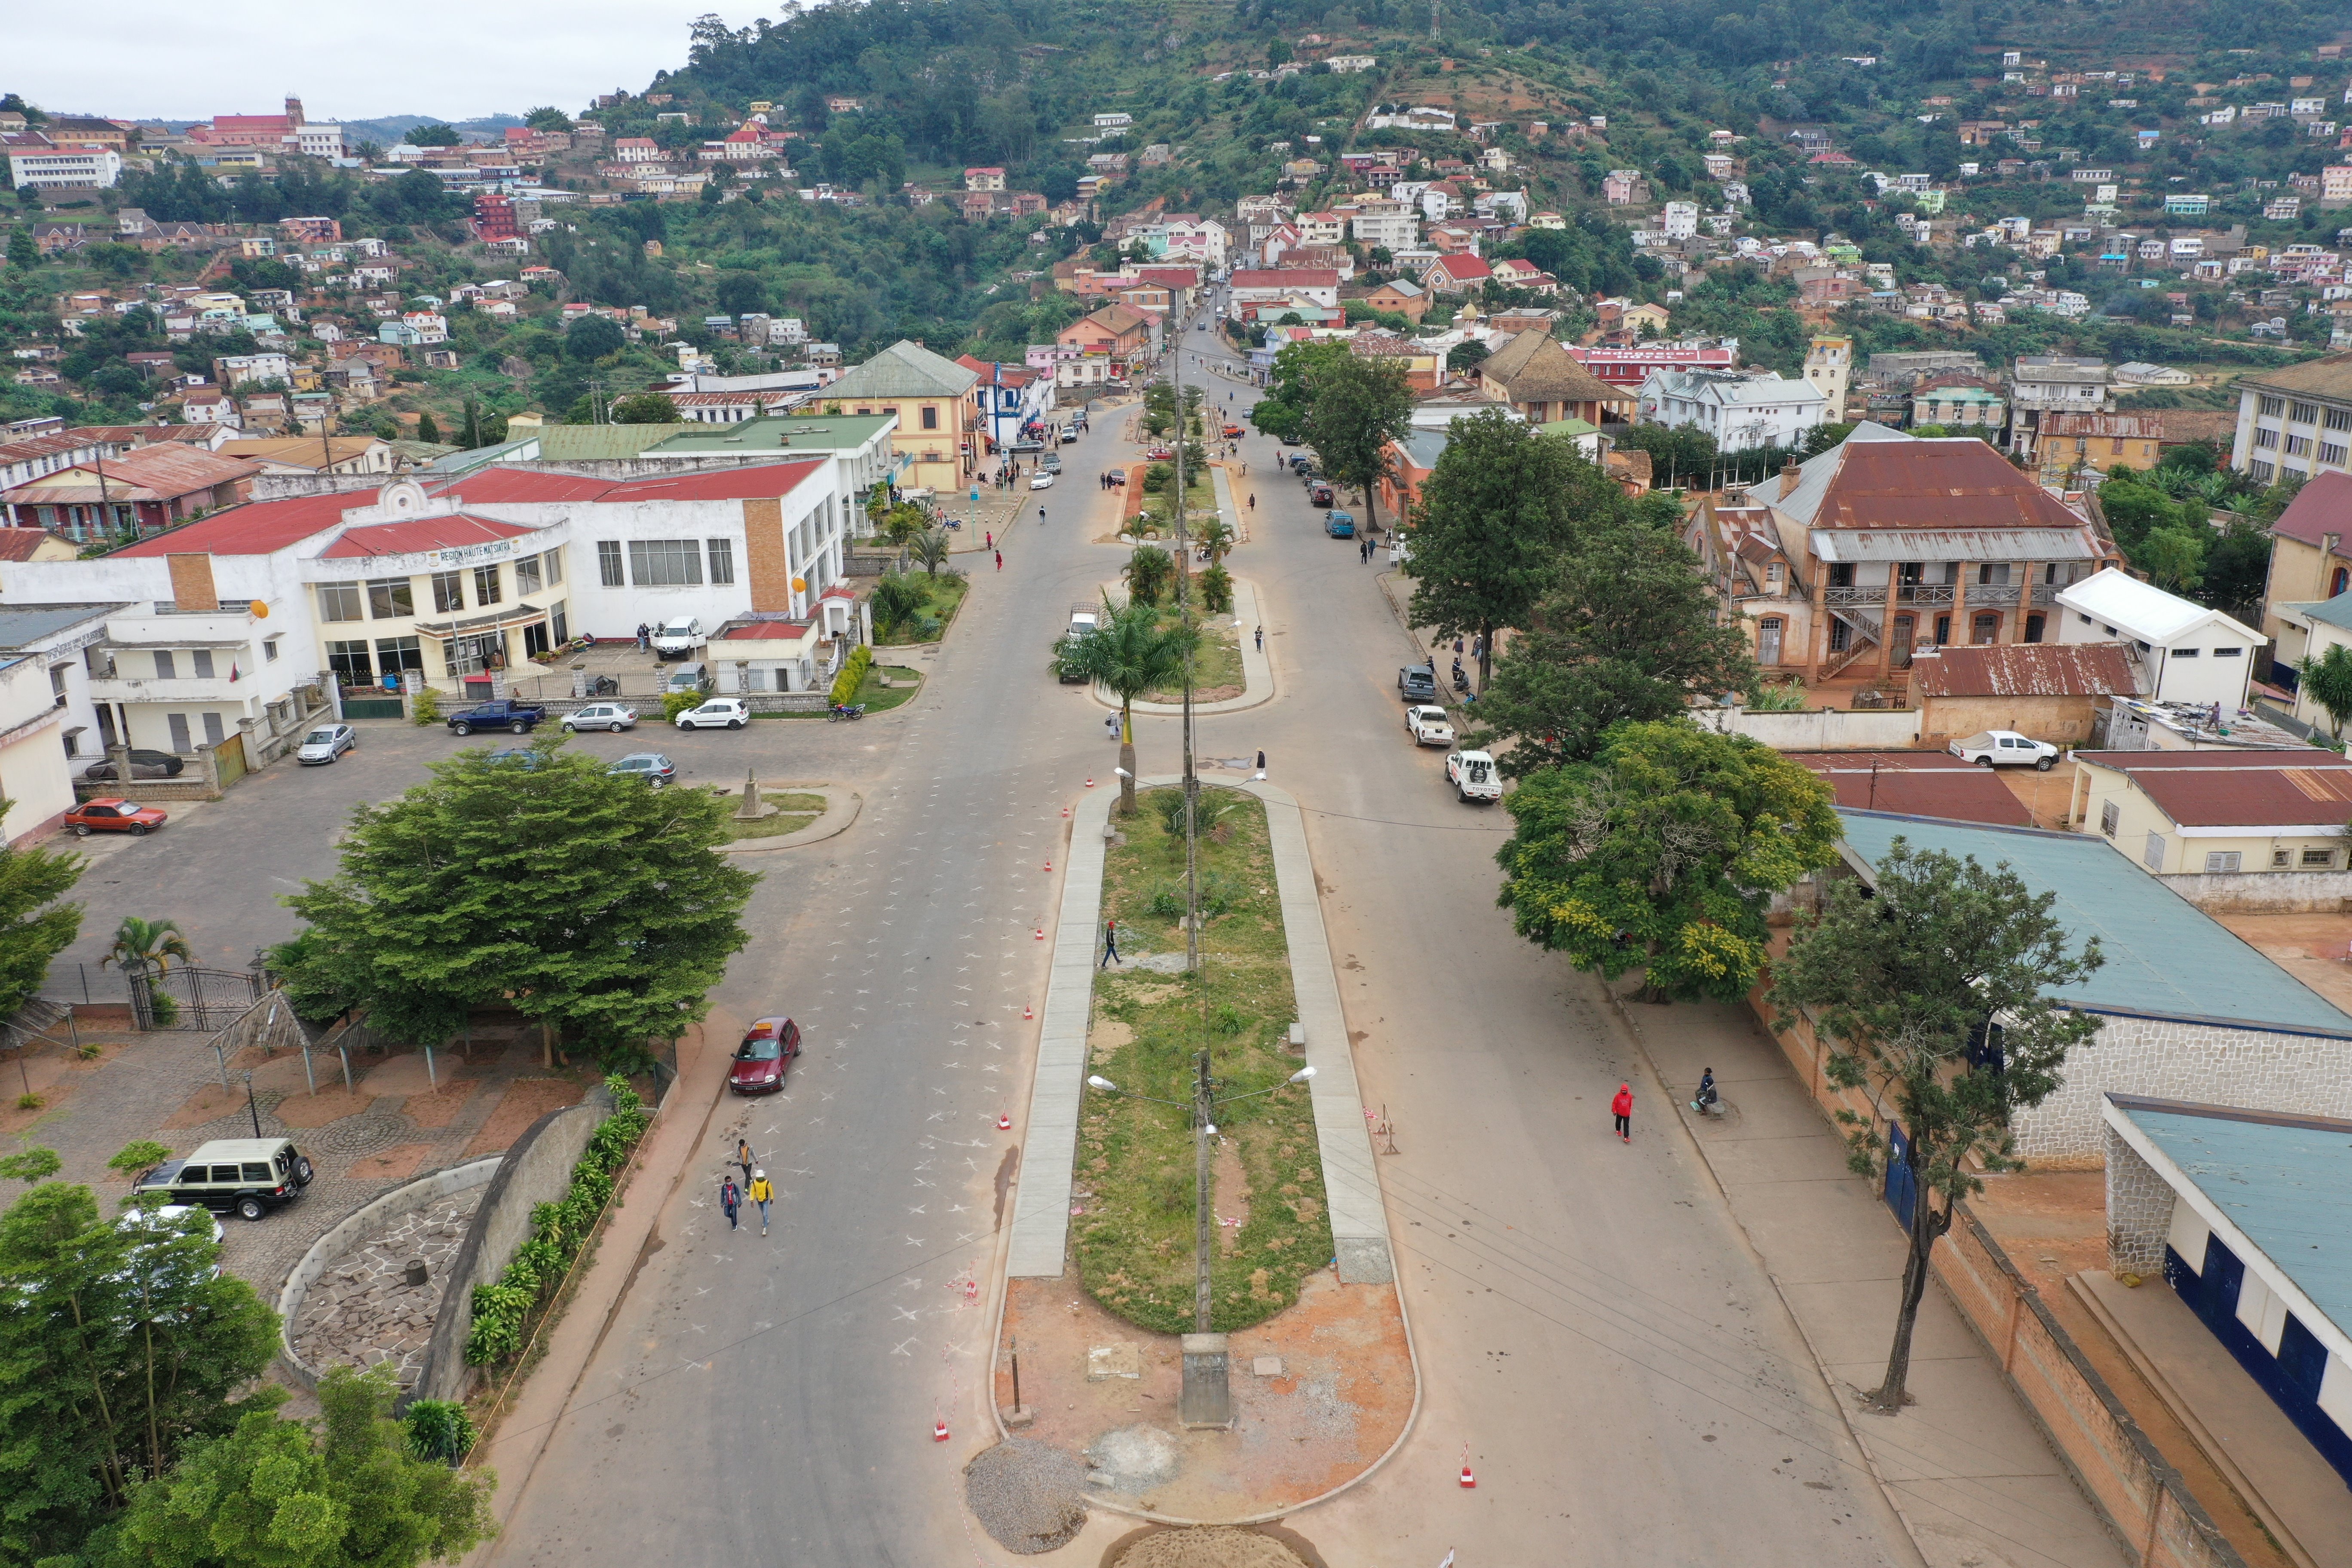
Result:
[[852, 675]]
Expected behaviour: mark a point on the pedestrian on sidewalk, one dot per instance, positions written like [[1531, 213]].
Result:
[[731, 1198], [1457, 648], [760, 1193], [999, 561], [1261, 639], [645, 635], [1110, 726], [991, 538], [1622, 1107], [1110, 945], [743, 1157]]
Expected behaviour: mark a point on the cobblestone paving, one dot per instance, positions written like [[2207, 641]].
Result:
[[361, 1309], [138, 1090]]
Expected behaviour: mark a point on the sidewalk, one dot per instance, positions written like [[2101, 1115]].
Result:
[[1965, 1467]]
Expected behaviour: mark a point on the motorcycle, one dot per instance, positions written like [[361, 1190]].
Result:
[[605, 686], [841, 710]]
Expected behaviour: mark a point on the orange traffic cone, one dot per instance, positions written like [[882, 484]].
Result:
[[1066, 811], [1041, 933], [1469, 1481], [1049, 868], [939, 1431], [1026, 1013], [1003, 1122], [1090, 783]]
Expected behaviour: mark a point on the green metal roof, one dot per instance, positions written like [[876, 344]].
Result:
[[904, 370], [589, 443], [2165, 957], [1568, 427], [799, 433], [2335, 612]]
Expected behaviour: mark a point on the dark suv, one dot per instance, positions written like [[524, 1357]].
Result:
[[247, 1175], [1417, 683]]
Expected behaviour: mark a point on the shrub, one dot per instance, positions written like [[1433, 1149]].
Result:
[[853, 675], [425, 707], [1216, 586], [439, 1430], [677, 702], [1211, 807]]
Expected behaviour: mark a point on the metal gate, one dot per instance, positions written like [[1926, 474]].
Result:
[[1902, 1192], [186, 997]]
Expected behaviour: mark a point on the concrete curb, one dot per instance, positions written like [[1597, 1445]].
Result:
[[1258, 671], [841, 809], [1343, 1138]]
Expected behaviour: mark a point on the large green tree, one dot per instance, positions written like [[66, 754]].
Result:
[[1664, 853], [35, 927], [1628, 632], [1290, 387], [119, 1344], [273, 1494], [1130, 652], [1359, 406], [1497, 520], [1904, 977], [590, 903]]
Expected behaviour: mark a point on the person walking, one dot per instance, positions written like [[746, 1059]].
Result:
[[762, 1194], [991, 538], [1110, 726], [1261, 639], [1622, 1107], [999, 561], [1252, 504], [743, 1157], [731, 1198], [645, 635], [1110, 945]]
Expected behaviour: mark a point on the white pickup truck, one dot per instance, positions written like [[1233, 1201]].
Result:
[[2005, 749], [1085, 616], [1473, 775]]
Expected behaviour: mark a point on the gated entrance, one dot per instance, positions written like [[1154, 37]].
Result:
[[187, 998]]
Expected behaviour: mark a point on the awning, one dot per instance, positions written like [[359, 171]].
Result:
[[521, 616]]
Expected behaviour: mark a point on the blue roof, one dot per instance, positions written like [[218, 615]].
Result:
[[2286, 1182], [2164, 956]]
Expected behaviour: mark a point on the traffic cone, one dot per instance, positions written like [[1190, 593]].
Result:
[[939, 1431], [1041, 933], [1090, 783], [1003, 1122], [1066, 811], [1469, 1481], [1026, 1013], [1049, 868]]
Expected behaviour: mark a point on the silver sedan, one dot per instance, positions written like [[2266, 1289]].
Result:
[[326, 742], [601, 716]]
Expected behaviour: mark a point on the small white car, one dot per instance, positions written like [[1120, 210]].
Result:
[[719, 713], [672, 638], [326, 742], [1044, 481], [1428, 726], [1473, 775], [2005, 749], [601, 716]]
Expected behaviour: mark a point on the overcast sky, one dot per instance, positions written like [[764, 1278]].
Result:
[[147, 59]]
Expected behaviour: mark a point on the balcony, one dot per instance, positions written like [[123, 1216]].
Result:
[[179, 690], [1992, 595], [1924, 593], [1849, 596]]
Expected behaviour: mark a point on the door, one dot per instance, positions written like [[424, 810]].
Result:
[[1767, 640], [1900, 652], [1901, 1191], [181, 740]]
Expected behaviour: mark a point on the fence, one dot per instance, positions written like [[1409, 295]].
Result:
[[187, 998]]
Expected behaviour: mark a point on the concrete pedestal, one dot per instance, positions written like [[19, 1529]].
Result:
[[1207, 1400]]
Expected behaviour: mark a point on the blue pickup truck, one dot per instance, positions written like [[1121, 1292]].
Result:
[[515, 717]]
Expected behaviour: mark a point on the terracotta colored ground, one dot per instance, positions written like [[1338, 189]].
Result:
[[396, 1164], [2311, 947], [1345, 1388], [303, 1110], [527, 1100], [440, 1108]]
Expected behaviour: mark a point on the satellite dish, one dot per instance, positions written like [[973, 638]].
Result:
[[261, 611]]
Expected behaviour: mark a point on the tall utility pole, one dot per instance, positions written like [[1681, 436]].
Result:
[[1204, 1113], [1433, 16], [1184, 619]]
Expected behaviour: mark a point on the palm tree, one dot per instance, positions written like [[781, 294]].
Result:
[[141, 945], [930, 548], [1128, 654], [1216, 538]]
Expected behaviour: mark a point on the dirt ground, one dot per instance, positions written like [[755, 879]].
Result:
[[2046, 796], [2314, 948], [1345, 1388]]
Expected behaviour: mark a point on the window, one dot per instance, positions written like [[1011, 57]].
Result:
[[2261, 470], [2220, 861], [722, 561], [2338, 419], [553, 561], [269, 650], [390, 598], [931, 417], [664, 562], [166, 668], [2265, 437], [486, 585], [2082, 617], [1984, 630], [2153, 855], [2271, 406], [2111, 817], [214, 733], [557, 625], [526, 576], [2332, 452], [2298, 445], [349, 660], [1990, 574], [2316, 859], [2034, 626], [608, 562], [339, 601], [2187, 652], [202, 659], [397, 654], [2304, 413], [2229, 653], [2280, 858], [448, 592]]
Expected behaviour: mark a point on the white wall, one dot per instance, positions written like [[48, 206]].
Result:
[[33, 771], [2200, 676], [1833, 730]]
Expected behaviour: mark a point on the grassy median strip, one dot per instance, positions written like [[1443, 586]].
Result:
[[792, 813], [1135, 1227], [1216, 664]]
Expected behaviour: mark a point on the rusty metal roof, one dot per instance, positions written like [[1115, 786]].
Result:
[[1917, 783], [1933, 485], [147, 473], [2027, 669], [2303, 788], [1923, 544]]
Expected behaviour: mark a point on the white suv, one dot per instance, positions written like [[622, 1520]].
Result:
[[1473, 775], [672, 638], [719, 713]]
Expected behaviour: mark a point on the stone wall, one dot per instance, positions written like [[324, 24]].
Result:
[[364, 1222], [2210, 1064], [536, 1170], [1830, 730], [2140, 1210], [2265, 892]]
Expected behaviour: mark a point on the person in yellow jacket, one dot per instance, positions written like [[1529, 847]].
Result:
[[762, 1194]]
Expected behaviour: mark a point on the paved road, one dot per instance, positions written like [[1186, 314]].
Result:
[[1588, 1320]]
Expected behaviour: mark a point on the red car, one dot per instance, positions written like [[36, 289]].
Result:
[[115, 817], [768, 1049], [1161, 453]]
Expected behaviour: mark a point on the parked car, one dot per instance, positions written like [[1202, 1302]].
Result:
[[115, 817], [1291, 440], [609, 716], [1070, 434], [1340, 524], [1161, 453], [674, 638], [1428, 726], [1473, 775], [1417, 683], [523, 757], [1119, 476], [651, 766], [145, 764], [1041, 481], [326, 744], [1232, 431], [515, 717], [2004, 749], [1319, 494], [719, 713], [766, 1053], [247, 1175], [1051, 462]]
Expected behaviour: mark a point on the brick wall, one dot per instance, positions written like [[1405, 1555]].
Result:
[[766, 564]]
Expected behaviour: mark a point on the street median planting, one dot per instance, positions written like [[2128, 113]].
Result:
[[1134, 1220]]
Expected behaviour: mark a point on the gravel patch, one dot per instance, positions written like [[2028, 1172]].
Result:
[[1133, 1458], [1027, 1496], [1213, 1547]]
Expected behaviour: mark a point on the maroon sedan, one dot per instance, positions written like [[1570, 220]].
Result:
[[115, 817], [768, 1049]]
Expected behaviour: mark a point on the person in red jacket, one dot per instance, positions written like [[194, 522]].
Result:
[[1622, 1107]]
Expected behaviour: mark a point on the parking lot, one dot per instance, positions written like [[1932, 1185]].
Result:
[[218, 867]]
